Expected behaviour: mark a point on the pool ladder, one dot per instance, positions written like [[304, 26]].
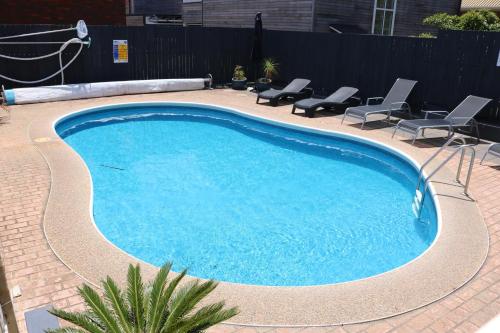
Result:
[[418, 200]]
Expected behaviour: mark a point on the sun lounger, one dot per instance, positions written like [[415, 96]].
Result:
[[493, 149], [395, 101], [461, 117], [296, 89], [340, 98]]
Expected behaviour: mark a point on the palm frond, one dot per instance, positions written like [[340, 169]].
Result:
[[114, 296], [174, 283], [156, 298], [186, 299], [135, 296], [65, 330], [205, 317], [168, 294], [94, 319], [97, 306], [77, 319]]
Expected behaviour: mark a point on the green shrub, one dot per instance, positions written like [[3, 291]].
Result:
[[482, 20], [443, 21], [426, 35], [479, 20]]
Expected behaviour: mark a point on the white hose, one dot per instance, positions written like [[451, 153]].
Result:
[[62, 68], [34, 58], [37, 33], [81, 31]]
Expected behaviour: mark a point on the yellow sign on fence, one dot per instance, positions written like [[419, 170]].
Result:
[[120, 51]]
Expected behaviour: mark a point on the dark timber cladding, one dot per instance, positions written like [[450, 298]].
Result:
[[356, 12], [409, 14], [314, 15], [276, 14], [192, 13]]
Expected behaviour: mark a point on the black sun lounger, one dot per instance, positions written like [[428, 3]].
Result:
[[296, 89], [395, 101], [341, 98], [461, 117]]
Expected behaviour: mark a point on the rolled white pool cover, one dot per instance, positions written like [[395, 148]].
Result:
[[99, 89]]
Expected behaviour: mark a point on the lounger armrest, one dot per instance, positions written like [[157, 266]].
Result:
[[377, 99], [400, 106], [441, 114]]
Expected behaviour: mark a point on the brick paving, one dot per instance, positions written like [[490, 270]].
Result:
[[29, 262], [27, 258]]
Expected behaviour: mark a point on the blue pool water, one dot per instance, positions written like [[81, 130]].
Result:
[[238, 200]]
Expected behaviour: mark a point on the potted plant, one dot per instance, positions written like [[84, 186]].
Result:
[[239, 78], [270, 69]]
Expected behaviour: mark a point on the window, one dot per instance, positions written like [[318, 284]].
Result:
[[384, 12]]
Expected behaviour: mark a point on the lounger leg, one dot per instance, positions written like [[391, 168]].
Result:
[[293, 109], [258, 98], [395, 130], [476, 126], [309, 113], [423, 132], [363, 123], [414, 137], [485, 154], [345, 114], [273, 102], [450, 132]]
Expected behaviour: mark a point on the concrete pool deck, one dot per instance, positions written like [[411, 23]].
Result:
[[47, 280]]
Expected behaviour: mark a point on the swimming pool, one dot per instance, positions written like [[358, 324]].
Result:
[[244, 201]]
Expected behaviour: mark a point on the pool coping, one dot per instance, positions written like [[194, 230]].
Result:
[[381, 296]]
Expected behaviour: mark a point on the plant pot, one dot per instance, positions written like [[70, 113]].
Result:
[[262, 85], [239, 84]]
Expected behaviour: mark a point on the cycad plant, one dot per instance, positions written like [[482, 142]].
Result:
[[159, 307], [270, 68]]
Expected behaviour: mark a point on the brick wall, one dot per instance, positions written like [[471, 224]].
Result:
[[97, 12]]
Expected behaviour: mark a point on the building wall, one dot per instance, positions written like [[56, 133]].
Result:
[[276, 14], [313, 15], [192, 13], [355, 12], [99, 12], [410, 13], [150, 7]]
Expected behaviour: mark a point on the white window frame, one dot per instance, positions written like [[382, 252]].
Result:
[[393, 10]]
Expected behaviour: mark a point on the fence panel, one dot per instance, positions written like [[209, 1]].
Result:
[[448, 68]]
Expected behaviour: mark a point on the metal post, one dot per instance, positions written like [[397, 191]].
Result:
[[459, 170], [469, 173]]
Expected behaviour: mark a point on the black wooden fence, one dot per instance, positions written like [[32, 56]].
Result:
[[448, 68]]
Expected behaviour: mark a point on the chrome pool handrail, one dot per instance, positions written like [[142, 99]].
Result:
[[420, 195]]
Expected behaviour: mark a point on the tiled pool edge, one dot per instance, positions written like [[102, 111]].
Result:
[[57, 153]]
